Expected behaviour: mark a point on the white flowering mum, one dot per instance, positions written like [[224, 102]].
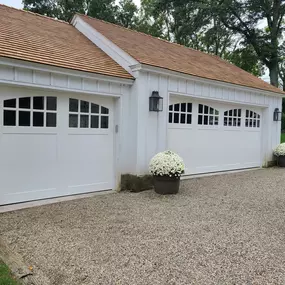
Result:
[[279, 150], [166, 163]]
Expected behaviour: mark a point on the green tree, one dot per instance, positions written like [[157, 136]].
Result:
[[246, 58], [127, 14], [244, 17]]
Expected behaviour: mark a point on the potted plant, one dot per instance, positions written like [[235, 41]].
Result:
[[166, 168], [279, 152]]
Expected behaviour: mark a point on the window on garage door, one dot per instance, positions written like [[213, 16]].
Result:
[[232, 118], [180, 113], [38, 111], [207, 115], [84, 114], [252, 119]]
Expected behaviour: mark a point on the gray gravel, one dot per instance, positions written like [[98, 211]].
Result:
[[226, 229]]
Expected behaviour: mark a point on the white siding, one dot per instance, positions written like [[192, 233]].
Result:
[[36, 78]]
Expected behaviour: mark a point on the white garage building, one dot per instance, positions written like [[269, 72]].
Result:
[[74, 104]]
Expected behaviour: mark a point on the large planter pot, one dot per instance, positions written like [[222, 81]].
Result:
[[166, 185], [281, 160]]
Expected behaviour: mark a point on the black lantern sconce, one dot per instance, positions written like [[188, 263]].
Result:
[[155, 102], [277, 115]]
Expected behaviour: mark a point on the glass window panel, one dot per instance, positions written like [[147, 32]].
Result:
[[24, 118], [226, 113], [176, 118], [189, 119], [189, 107], [25, 103], [246, 122], [250, 122], [84, 121], [51, 103], [258, 116], [200, 119], [94, 122], [183, 107], [38, 119], [216, 112], [239, 112], [206, 110], [104, 122], [73, 105], [104, 110], [211, 120], [238, 122], [182, 118], [38, 103], [230, 112], [94, 108], [234, 122], [258, 123], [251, 114], [51, 119], [206, 120], [211, 111], [73, 120], [216, 121], [230, 122], [170, 118], [84, 106], [225, 121], [170, 107], [200, 108], [247, 113], [9, 118], [176, 107], [11, 103]]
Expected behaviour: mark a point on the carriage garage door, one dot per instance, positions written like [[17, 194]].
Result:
[[54, 145], [213, 136]]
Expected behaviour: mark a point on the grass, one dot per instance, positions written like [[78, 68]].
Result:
[[283, 137], [6, 277]]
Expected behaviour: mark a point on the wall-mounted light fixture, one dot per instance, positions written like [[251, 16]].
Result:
[[277, 115], [155, 102]]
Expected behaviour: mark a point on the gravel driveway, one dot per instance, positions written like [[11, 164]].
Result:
[[226, 229]]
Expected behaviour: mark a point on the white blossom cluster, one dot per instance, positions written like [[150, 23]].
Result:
[[279, 150], [166, 163]]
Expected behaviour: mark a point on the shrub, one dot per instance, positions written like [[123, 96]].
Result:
[[166, 163], [136, 183]]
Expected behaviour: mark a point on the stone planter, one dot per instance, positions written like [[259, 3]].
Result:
[[166, 185], [281, 160]]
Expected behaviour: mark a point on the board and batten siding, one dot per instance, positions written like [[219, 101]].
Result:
[[153, 126]]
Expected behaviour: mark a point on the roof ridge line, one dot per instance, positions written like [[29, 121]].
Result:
[[35, 14]]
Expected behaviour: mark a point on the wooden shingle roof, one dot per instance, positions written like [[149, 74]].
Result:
[[36, 38], [161, 53]]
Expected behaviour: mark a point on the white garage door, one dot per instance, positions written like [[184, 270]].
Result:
[[213, 136], [53, 145]]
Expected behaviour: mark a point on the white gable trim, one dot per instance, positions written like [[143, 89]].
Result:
[[182, 76], [116, 53]]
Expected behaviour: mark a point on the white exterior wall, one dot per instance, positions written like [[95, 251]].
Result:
[[153, 126]]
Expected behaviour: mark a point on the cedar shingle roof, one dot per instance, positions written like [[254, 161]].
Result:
[[160, 53], [32, 37]]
